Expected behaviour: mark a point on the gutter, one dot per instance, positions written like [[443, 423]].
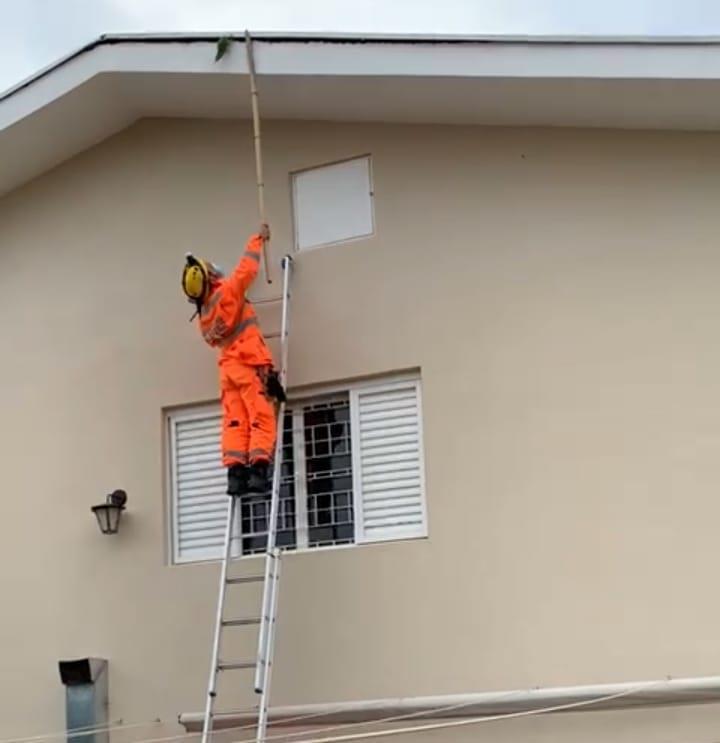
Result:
[[361, 38], [697, 690]]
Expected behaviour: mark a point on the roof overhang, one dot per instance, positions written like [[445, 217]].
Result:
[[106, 86]]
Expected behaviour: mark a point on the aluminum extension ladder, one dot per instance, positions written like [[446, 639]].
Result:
[[266, 619]]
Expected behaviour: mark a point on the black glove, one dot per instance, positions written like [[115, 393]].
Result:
[[274, 388]]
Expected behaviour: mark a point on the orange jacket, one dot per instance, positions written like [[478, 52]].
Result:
[[228, 321]]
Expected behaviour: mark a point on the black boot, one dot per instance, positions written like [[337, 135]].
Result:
[[238, 479], [257, 481]]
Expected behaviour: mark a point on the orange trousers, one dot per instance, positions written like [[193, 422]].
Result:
[[249, 425]]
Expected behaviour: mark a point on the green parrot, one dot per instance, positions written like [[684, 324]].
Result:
[[222, 46]]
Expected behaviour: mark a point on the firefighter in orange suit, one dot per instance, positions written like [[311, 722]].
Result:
[[227, 322]]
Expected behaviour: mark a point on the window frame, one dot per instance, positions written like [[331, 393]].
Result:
[[352, 390]]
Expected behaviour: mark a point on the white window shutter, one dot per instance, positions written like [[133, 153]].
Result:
[[388, 468], [333, 203], [199, 485]]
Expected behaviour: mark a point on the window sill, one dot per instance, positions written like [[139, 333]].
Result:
[[302, 551]]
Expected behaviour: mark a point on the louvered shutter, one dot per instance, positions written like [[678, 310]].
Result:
[[388, 470], [199, 485]]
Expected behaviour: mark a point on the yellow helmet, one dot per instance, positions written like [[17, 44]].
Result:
[[196, 279]]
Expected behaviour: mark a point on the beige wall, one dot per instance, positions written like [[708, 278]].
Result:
[[557, 290]]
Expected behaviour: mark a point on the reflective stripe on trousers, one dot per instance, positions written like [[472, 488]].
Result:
[[240, 456]]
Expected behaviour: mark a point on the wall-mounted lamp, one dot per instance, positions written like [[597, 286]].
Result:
[[108, 513]]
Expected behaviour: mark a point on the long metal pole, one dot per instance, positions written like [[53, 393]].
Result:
[[212, 682], [258, 144]]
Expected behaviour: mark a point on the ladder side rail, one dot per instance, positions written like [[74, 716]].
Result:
[[265, 696], [214, 661], [277, 469], [271, 560], [272, 554]]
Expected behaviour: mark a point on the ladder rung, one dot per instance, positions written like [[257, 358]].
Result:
[[240, 622], [247, 579], [237, 712], [271, 300], [236, 666]]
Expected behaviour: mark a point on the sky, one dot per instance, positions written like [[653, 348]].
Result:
[[34, 33]]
